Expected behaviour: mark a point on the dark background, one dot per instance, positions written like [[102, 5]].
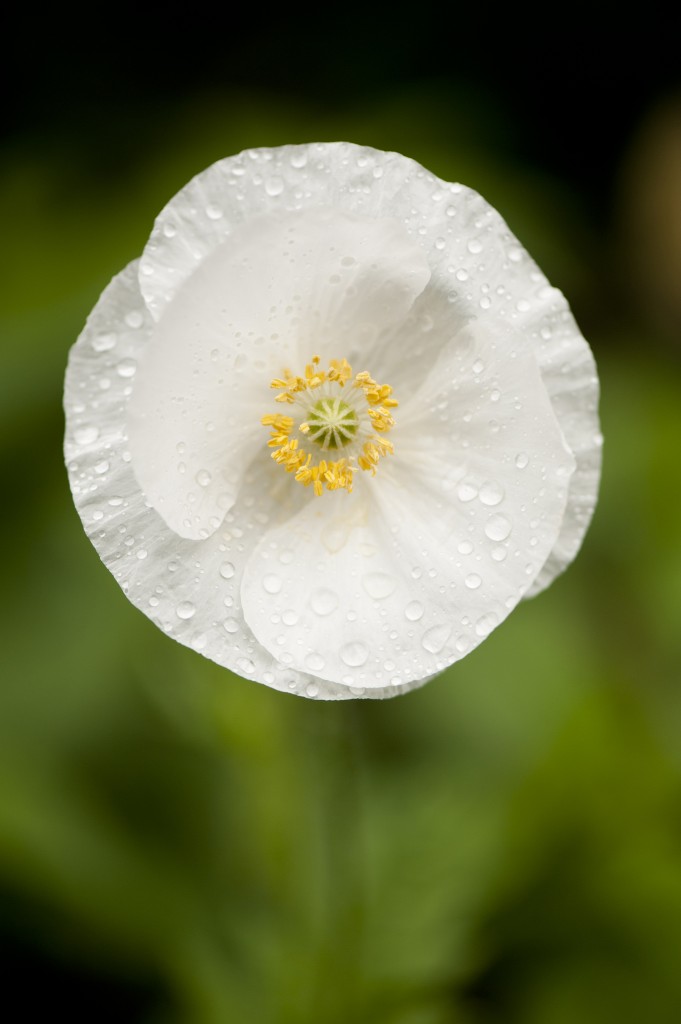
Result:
[[179, 846]]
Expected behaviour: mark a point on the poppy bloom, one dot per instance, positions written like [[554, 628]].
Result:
[[334, 424]]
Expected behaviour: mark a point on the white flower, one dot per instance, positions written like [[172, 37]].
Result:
[[334, 424]]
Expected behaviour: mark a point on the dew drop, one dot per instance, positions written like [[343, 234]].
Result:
[[214, 212], [245, 665], [103, 342], [231, 625], [141, 553], [312, 690], [473, 581], [314, 662], [485, 624], [102, 467], [379, 585], [354, 654], [478, 366], [499, 554], [85, 435], [491, 493], [435, 638], [126, 368], [466, 491], [226, 570], [185, 610], [134, 318], [414, 611], [464, 547], [497, 528], [324, 601], [475, 246], [298, 159], [289, 617], [272, 583], [203, 478], [521, 460], [274, 186]]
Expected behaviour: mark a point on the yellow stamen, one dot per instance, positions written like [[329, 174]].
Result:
[[354, 425]]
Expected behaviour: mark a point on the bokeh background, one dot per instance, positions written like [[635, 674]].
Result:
[[180, 846]]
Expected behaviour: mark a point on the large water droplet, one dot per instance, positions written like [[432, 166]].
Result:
[[414, 611], [203, 478], [126, 368], [379, 585], [485, 624], [466, 491], [274, 186], [435, 638], [231, 625], [314, 662], [354, 654], [272, 583], [497, 527], [103, 342], [491, 493], [324, 601], [473, 581], [85, 435], [227, 570], [185, 610]]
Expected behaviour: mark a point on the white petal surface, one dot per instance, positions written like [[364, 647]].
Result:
[[268, 297], [413, 569]]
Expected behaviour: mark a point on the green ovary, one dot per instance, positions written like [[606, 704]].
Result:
[[332, 423]]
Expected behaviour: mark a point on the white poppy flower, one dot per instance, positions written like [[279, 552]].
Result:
[[334, 424]]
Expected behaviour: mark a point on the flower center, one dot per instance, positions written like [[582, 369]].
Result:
[[330, 413], [333, 423]]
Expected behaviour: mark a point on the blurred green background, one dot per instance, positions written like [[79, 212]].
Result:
[[180, 846]]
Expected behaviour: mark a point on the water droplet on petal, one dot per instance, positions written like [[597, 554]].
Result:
[[231, 625], [312, 690], [379, 585], [103, 342], [227, 570], [203, 478], [466, 491], [126, 368], [491, 493], [485, 624], [214, 212], [473, 581], [498, 528], [521, 460], [274, 186], [245, 665], [185, 610], [314, 662], [272, 583], [435, 638], [414, 611], [354, 654], [324, 601], [289, 617], [85, 435]]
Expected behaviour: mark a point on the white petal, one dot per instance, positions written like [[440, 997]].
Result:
[[274, 292], [399, 579], [190, 589]]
